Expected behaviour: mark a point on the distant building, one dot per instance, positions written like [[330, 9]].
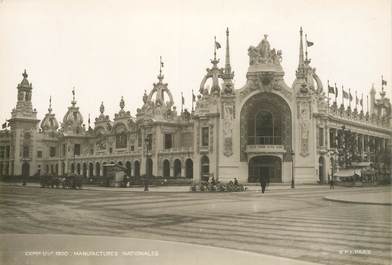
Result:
[[264, 127]]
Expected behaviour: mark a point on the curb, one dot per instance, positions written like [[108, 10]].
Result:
[[357, 202]]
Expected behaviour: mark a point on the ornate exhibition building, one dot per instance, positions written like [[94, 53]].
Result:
[[265, 127]]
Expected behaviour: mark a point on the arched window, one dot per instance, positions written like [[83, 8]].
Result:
[[166, 168], [177, 168], [205, 168], [78, 169], [97, 169], [137, 169], [149, 167], [189, 168], [90, 169], [84, 170], [128, 165]]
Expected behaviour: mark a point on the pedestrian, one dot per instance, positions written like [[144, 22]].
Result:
[[331, 184], [263, 183]]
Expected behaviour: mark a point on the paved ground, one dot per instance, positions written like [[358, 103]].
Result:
[[296, 224], [380, 198]]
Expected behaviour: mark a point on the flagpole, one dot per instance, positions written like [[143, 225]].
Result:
[[336, 95], [182, 102], [328, 97], [214, 47], [343, 96], [362, 102], [192, 100]]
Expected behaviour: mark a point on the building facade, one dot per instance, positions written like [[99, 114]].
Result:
[[265, 127]]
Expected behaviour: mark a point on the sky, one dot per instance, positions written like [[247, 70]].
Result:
[[109, 49]]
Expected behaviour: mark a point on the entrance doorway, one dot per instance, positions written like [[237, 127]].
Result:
[[268, 166]]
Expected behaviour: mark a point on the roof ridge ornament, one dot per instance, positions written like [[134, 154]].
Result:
[[73, 102]]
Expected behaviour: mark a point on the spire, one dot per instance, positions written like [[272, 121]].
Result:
[[50, 104], [227, 63], [25, 75], [301, 50]]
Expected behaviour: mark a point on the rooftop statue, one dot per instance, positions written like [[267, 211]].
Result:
[[262, 54]]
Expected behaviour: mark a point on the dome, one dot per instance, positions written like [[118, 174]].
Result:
[[49, 123], [73, 119]]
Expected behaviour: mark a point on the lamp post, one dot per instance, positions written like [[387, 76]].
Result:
[[292, 169], [147, 142]]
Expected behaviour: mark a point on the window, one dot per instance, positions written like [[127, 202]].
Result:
[[204, 136], [39, 154], [132, 148], [121, 140], [64, 149], [149, 141], [1, 152], [26, 151], [168, 141], [77, 149], [52, 151]]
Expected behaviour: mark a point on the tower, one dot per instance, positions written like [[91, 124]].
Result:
[[23, 124]]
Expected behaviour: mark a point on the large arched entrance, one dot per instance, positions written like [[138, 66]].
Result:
[[25, 170], [268, 166], [265, 120]]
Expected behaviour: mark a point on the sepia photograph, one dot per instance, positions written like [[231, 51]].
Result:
[[195, 132]]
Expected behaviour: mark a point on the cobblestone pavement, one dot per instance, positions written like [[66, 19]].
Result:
[[296, 224]]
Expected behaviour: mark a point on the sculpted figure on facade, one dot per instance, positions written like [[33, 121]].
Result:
[[304, 127], [228, 128]]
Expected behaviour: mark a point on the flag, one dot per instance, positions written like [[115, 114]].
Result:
[[161, 64], [361, 102], [383, 82], [4, 125], [309, 43], [331, 90], [217, 45], [193, 97], [183, 100], [345, 94], [350, 96], [336, 91], [356, 100]]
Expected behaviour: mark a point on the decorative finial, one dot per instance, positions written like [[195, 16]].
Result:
[[160, 76], [102, 108], [25, 75], [122, 103], [73, 96], [50, 104]]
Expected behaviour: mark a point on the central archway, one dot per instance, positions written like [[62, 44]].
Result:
[[265, 119], [267, 166]]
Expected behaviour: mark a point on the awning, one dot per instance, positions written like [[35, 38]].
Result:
[[348, 173]]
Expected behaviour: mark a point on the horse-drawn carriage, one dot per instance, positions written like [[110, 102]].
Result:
[[66, 182]]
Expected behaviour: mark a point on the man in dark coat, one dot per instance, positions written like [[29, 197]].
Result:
[[263, 183]]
